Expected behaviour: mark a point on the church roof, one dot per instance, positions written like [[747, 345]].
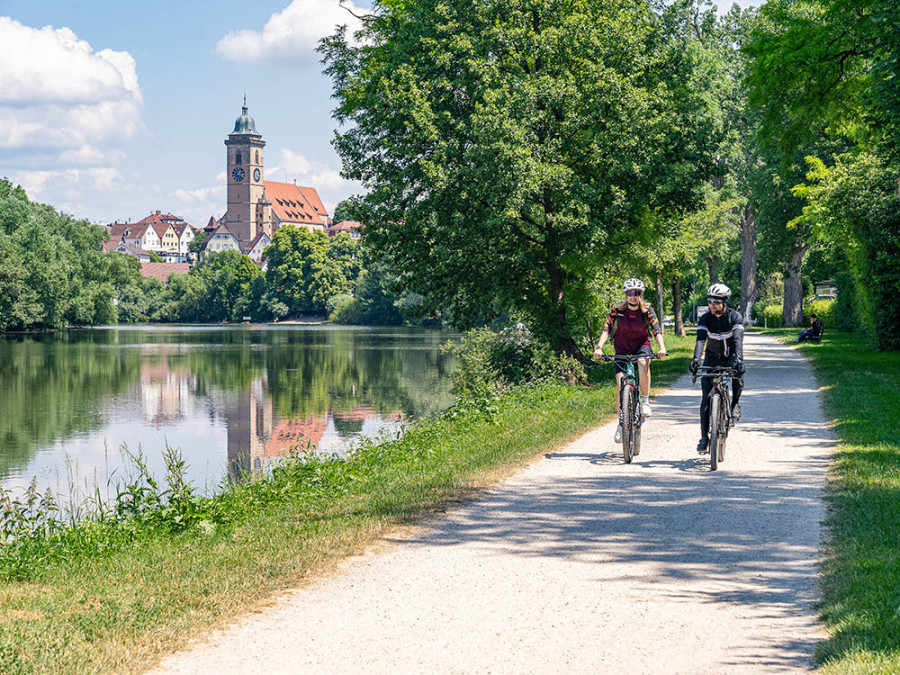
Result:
[[294, 204]]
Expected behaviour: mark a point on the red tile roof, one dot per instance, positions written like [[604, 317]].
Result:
[[294, 204], [348, 226], [163, 270]]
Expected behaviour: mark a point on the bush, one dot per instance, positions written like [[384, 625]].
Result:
[[342, 309], [491, 361], [772, 316], [826, 310]]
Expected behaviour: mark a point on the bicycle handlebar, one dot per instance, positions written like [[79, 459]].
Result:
[[628, 357], [715, 371]]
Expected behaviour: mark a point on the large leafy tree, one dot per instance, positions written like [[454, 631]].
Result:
[[510, 147], [301, 275]]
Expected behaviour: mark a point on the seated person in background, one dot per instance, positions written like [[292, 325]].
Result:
[[815, 330]]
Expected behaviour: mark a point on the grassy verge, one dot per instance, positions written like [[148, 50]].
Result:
[[861, 574], [115, 595]]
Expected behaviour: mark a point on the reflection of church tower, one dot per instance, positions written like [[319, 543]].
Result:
[[249, 422], [247, 214]]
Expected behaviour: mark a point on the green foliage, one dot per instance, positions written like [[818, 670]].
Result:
[[52, 268], [303, 273], [771, 316], [825, 310], [507, 146], [856, 203], [489, 362]]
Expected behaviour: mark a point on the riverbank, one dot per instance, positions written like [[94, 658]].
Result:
[[115, 599], [861, 577]]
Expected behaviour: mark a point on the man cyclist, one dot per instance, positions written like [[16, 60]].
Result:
[[631, 323], [721, 332]]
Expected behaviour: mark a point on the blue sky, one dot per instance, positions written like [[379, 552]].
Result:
[[110, 110]]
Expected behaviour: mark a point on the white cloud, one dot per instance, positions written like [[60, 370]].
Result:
[[291, 34], [332, 188], [72, 190], [196, 206], [56, 92]]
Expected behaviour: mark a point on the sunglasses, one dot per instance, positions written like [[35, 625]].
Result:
[[632, 294], [715, 302]]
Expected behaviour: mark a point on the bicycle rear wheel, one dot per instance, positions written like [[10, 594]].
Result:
[[628, 427], [714, 431]]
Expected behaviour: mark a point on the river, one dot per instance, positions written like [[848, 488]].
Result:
[[230, 398]]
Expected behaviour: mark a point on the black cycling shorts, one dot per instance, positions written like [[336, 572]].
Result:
[[621, 365]]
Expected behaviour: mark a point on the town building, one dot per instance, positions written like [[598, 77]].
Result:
[[162, 233]]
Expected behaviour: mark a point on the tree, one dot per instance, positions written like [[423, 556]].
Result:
[[510, 149], [345, 210], [300, 273]]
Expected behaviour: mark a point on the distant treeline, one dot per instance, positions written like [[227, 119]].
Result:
[[53, 273]]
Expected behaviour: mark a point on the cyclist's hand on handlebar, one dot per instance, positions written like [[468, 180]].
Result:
[[694, 367], [739, 367], [661, 353], [598, 354]]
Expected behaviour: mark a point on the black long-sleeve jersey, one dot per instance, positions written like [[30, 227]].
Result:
[[724, 334]]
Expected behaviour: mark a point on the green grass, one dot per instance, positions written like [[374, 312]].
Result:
[[115, 596], [861, 573]]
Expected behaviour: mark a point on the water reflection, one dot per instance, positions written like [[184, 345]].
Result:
[[231, 398]]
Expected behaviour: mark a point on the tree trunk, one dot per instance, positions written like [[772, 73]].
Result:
[[792, 311], [713, 271], [676, 307], [660, 305], [747, 228], [561, 339]]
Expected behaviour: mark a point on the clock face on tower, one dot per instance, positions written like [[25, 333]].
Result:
[[256, 174], [238, 174]]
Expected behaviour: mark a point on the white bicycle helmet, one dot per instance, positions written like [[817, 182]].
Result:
[[633, 285], [719, 292]]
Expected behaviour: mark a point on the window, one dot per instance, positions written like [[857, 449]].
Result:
[[237, 158], [257, 157]]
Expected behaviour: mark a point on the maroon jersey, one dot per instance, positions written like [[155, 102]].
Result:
[[632, 331]]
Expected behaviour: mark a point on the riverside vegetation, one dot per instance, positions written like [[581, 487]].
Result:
[[159, 563]]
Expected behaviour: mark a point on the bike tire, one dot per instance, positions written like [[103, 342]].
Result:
[[628, 423], [723, 428], [714, 432]]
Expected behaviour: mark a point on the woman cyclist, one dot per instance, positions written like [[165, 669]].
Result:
[[631, 323], [721, 331]]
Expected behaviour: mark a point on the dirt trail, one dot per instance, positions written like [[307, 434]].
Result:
[[581, 563]]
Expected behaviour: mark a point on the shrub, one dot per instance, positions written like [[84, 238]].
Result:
[[825, 310], [491, 361], [772, 316]]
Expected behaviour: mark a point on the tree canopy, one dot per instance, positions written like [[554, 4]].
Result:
[[511, 148]]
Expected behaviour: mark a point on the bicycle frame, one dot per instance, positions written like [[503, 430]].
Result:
[[631, 424]]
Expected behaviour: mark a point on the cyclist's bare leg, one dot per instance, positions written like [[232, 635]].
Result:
[[644, 370], [619, 378]]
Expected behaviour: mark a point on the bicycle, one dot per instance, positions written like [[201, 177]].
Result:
[[630, 416], [720, 418]]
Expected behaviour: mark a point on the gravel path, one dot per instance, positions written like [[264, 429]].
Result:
[[581, 563]]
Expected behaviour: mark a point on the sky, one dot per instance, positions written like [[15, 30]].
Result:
[[111, 110]]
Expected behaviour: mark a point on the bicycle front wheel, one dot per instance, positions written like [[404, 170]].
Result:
[[628, 426], [722, 426], [714, 431]]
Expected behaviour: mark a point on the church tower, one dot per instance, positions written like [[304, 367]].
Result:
[[246, 216]]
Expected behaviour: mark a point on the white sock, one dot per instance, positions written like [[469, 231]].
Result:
[[645, 399]]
